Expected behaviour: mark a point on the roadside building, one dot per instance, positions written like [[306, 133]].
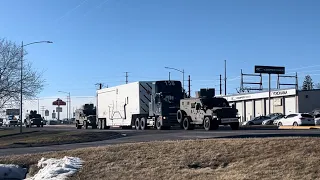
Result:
[[284, 101]]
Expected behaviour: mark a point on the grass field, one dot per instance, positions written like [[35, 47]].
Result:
[[35, 137], [269, 158]]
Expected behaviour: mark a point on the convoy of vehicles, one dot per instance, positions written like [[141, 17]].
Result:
[[33, 119], [141, 105]]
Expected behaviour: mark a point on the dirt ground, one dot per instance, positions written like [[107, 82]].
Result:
[[268, 158], [34, 138]]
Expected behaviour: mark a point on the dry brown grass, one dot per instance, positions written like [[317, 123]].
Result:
[[274, 158], [44, 138]]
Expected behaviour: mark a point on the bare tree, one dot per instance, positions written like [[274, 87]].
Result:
[[10, 77]]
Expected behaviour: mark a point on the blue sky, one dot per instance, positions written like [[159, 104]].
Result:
[[98, 40]]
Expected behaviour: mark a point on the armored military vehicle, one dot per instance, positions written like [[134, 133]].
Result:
[[33, 118], [86, 116], [207, 111]]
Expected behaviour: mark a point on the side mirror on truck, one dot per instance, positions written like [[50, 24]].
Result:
[[198, 106]]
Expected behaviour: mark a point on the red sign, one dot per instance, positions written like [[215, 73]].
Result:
[[59, 102]]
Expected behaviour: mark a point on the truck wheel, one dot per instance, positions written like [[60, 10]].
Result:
[[234, 126], [85, 124], [94, 126], [104, 124], [143, 123], [186, 123], [137, 124], [180, 116], [99, 124], [78, 126], [158, 124], [207, 123], [38, 125]]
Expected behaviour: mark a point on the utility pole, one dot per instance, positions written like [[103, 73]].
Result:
[[169, 75], [225, 77], [189, 86], [126, 77], [220, 84], [42, 110]]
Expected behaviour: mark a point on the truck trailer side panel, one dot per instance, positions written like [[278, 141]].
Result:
[[118, 104]]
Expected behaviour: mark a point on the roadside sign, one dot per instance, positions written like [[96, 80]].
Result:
[[59, 109], [46, 112], [12, 112], [269, 69], [53, 115]]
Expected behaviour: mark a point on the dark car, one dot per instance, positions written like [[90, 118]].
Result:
[[255, 121], [272, 117]]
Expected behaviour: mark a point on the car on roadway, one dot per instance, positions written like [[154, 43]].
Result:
[[296, 119], [255, 121], [272, 117]]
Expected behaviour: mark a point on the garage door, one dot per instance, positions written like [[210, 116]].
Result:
[[240, 110], [258, 108], [249, 110], [290, 105]]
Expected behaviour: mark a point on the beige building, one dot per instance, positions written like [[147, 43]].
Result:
[[284, 101]]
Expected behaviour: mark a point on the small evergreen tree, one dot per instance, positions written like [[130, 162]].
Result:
[[307, 83]]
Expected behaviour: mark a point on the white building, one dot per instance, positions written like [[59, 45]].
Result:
[[284, 101]]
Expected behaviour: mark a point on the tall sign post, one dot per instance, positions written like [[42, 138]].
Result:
[[269, 70]]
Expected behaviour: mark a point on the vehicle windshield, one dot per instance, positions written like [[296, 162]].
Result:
[[215, 102], [37, 116]]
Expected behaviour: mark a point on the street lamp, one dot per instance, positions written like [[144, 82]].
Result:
[[69, 104], [21, 83], [182, 71]]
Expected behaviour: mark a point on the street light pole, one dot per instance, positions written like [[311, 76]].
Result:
[[21, 86], [182, 71], [68, 105], [21, 77]]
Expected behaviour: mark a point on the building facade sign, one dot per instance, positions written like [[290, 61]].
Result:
[[261, 95]]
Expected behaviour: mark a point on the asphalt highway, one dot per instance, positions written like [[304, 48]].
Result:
[[134, 136]]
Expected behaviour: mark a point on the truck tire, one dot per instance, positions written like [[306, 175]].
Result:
[[207, 123], [143, 123], [158, 124], [85, 124], [137, 124], [99, 124], [180, 116], [38, 125], [94, 126], [186, 124], [78, 126], [104, 124], [234, 126]]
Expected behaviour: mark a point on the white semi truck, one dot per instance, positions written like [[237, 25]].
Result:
[[141, 105]]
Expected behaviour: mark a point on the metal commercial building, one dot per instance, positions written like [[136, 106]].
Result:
[[284, 101]]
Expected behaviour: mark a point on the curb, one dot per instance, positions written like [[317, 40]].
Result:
[[299, 127]]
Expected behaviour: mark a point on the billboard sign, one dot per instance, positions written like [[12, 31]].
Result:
[[12, 112], [269, 69]]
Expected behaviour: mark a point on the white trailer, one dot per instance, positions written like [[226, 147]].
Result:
[[121, 105]]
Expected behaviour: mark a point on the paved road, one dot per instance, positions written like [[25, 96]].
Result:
[[132, 136]]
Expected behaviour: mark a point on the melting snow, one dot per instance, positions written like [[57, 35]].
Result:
[[57, 169]]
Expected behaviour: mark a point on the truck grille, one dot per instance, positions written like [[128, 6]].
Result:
[[226, 113]]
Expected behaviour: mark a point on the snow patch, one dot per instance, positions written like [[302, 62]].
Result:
[[58, 169], [11, 171]]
